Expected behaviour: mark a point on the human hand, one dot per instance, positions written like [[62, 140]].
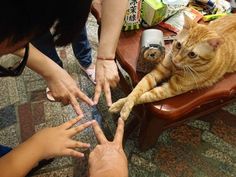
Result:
[[57, 141], [97, 6], [106, 76], [108, 158], [64, 89]]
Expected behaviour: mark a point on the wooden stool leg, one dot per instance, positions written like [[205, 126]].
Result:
[[151, 128], [134, 124]]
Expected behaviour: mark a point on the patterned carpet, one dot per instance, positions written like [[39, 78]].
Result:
[[205, 147]]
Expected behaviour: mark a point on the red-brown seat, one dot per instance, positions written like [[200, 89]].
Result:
[[161, 115]]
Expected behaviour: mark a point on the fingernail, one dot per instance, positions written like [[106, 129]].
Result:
[[88, 145], [90, 122], [91, 103], [78, 112], [93, 121]]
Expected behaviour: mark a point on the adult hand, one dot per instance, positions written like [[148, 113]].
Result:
[[108, 158], [64, 89], [106, 76], [56, 141]]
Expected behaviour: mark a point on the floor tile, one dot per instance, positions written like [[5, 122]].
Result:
[[7, 116]]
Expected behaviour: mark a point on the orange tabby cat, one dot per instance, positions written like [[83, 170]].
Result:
[[200, 56]]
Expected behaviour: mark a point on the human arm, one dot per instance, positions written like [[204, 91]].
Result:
[[62, 86], [106, 70], [108, 158], [45, 144]]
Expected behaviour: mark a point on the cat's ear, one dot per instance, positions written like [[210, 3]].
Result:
[[188, 22], [215, 42]]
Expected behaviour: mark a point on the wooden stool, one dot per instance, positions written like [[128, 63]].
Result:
[[170, 112]]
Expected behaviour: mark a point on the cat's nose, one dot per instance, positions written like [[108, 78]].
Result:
[[177, 59]]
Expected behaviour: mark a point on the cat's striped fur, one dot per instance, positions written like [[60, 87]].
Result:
[[200, 56]]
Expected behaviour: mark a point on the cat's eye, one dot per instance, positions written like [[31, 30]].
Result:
[[178, 45], [192, 55]]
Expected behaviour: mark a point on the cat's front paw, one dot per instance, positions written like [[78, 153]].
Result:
[[127, 108], [117, 106]]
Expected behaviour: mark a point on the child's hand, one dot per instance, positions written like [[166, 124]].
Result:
[[57, 141], [64, 89]]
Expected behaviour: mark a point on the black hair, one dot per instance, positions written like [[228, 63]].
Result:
[[20, 19]]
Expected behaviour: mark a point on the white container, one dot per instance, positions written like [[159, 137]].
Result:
[[152, 50], [233, 4]]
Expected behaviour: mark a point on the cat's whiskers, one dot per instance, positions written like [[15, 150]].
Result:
[[193, 70], [200, 77], [192, 74]]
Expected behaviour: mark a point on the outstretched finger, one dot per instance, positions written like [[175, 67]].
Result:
[[99, 133], [78, 144], [73, 153], [119, 132], [107, 92], [71, 122], [75, 104], [80, 128], [98, 90], [84, 98]]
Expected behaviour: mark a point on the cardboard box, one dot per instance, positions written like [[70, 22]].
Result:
[[176, 22], [153, 11]]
